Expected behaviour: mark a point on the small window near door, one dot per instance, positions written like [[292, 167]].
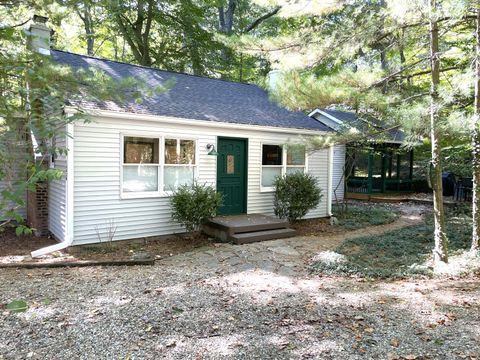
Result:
[[140, 164], [180, 162], [272, 163], [277, 161], [295, 159]]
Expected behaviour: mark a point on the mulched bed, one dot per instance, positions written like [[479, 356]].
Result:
[[158, 248], [16, 249], [312, 227], [13, 245]]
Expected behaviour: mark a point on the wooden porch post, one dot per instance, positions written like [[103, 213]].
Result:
[[411, 169], [370, 170]]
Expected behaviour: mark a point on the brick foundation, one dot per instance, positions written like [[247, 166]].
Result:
[[37, 209]]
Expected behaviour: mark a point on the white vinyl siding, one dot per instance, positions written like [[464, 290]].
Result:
[[57, 195], [97, 164], [338, 180]]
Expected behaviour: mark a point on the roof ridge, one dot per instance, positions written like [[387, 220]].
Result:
[[155, 69]]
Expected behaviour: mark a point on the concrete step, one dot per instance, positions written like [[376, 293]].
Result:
[[250, 237]]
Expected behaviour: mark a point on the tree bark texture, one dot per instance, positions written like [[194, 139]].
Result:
[[88, 24], [440, 251], [476, 142], [137, 33]]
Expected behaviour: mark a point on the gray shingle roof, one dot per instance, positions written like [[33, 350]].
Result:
[[193, 97], [351, 119]]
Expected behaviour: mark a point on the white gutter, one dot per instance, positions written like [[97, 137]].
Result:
[[193, 122], [330, 180], [68, 240]]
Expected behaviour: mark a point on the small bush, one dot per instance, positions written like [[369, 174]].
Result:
[[295, 195], [193, 204]]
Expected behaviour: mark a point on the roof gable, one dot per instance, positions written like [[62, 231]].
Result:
[[335, 119], [193, 97]]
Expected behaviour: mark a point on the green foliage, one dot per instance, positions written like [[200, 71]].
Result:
[[405, 252], [295, 195], [456, 158], [360, 216], [193, 204], [35, 91], [17, 306]]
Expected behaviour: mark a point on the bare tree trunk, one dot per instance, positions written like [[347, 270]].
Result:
[[225, 18], [476, 142], [440, 252], [88, 24], [137, 32], [225, 26]]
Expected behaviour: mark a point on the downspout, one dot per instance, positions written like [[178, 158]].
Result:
[[69, 193], [330, 180]]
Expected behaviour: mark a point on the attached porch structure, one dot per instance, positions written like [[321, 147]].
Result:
[[379, 168]]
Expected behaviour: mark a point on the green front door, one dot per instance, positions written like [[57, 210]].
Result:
[[232, 175]]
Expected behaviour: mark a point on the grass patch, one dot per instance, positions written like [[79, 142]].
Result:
[[361, 216], [397, 254]]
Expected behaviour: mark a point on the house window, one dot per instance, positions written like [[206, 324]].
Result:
[[272, 164], [295, 159], [277, 161], [179, 166], [147, 172], [140, 164]]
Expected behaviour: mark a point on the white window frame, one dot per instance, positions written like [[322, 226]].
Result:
[[160, 166], [283, 166], [195, 166]]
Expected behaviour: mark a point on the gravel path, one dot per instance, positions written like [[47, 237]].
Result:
[[253, 301]]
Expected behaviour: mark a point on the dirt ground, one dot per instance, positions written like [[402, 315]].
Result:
[[13, 245], [17, 249]]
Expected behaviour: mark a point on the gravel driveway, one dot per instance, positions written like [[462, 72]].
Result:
[[253, 301]]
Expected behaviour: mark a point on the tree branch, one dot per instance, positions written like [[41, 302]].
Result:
[[14, 26], [262, 18]]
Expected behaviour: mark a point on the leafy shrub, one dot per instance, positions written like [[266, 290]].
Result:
[[193, 204], [295, 195]]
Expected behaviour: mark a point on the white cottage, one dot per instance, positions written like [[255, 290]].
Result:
[[123, 165]]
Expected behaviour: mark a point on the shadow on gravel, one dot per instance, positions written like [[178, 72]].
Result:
[[147, 314]]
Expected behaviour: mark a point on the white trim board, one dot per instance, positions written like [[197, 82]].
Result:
[[203, 123], [331, 117]]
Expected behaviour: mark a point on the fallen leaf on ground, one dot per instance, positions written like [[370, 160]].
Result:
[[17, 306], [410, 357], [451, 316], [425, 338], [394, 342], [391, 356]]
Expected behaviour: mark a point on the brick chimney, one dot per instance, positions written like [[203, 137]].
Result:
[[37, 199], [40, 35]]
